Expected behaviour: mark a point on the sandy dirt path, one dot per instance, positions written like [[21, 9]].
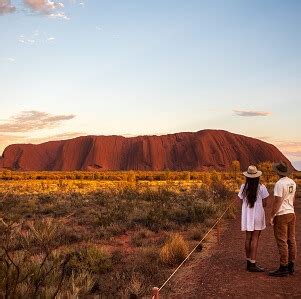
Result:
[[219, 270]]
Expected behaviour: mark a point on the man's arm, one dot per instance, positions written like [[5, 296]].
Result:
[[276, 206]]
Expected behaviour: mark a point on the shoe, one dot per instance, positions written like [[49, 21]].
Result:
[[282, 271], [248, 265], [255, 268], [291, 267]]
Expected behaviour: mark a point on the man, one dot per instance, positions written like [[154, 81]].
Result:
[[283, 220]]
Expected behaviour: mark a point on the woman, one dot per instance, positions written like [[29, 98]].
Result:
[[254, 196]]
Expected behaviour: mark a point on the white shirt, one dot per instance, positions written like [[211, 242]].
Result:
[[253, 218], [286, 189]]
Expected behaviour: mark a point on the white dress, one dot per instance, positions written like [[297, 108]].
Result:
[[253, 218]]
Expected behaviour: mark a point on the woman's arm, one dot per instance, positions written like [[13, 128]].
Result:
[[265, 201]]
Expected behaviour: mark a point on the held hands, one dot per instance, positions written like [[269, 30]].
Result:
[[272, 221]]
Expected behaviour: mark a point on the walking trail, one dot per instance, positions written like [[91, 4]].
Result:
[[219, 270]]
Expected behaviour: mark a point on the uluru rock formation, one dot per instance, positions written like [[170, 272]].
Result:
[[206, 149]]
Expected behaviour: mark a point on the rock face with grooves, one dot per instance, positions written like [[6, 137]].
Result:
[[206, 149]]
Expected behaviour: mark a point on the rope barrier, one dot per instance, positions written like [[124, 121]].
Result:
[[157, 290]]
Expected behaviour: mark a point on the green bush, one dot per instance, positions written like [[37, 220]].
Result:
[[91, 259]]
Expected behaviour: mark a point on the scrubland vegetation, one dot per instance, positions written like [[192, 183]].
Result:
[[114, 234]]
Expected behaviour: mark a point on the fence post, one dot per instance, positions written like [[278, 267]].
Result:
[[155, 292], [218, 233]]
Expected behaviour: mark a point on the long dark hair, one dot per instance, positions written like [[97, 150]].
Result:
[[250, 190]]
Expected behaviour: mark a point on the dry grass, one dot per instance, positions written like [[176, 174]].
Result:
[[174, 250], [105, 236]]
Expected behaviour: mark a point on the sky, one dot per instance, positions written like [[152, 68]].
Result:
[[138, 67]]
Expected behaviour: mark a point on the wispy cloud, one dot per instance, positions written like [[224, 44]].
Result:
[[35, 38], [33, 120], [9, 59], [58, 15], [43, 5], [77, 2], [48, 8], [250, 113], [26, 41], [6, 7]]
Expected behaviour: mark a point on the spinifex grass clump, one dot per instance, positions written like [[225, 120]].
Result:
[[174, 250], [90, 259]]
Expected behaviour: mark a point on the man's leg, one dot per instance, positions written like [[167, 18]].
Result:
[[280, 232], [291, 242]]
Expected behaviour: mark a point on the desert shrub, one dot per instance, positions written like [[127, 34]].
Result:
[[137, 286], [76, 285], [221, 191], [159, 216], [145, 265], [196, 232], [186, 176], [174, 250], [45, 198], [111, 230], [141, 272], [128, 192], [199, 211], [201, 192], [179, 215], [235, 169], [91, 259], [162, 194], [61, 184], [215, 176], [141, 237], [80, 185], [70, 235], [131, 176]]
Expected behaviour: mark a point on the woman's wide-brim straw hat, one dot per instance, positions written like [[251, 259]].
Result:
[[281, 168], [252, 172]]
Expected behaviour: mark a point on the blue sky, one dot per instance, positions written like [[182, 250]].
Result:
[[150, 67]]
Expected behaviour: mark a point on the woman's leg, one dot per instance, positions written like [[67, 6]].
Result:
[[248, 244], [254, 243]]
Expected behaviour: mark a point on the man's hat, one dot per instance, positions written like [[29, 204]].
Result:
[[281, 168]]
